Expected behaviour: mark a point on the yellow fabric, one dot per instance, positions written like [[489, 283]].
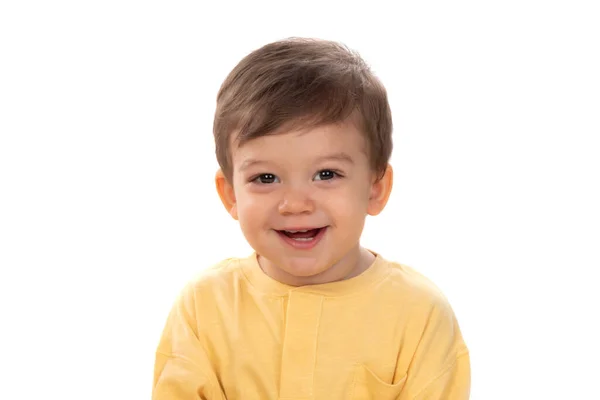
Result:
[[234, 333]]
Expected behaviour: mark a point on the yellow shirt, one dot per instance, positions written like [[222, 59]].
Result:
[[235, 333]]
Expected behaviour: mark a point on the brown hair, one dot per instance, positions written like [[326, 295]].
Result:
[[301, 83]]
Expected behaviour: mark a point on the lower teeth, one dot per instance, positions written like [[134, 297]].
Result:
[[303, 239]]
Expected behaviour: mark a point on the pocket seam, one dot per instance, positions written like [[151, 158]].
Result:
[[359, 367]]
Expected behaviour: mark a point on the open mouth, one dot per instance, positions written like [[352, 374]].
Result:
[[302, 235], [302, 238]]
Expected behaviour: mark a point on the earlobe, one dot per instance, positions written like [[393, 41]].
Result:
[[226, 193], [380, 192]]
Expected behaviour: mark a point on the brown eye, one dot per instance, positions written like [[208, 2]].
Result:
[[325, 175], [266, 179]]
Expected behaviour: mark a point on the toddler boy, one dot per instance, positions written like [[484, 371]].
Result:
[[303, 139]]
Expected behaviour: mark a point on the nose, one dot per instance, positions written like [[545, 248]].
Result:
[[296, 201]]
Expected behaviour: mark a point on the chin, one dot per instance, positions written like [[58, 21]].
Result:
[[304, 267]]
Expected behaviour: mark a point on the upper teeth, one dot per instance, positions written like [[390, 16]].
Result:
[[298, 231]]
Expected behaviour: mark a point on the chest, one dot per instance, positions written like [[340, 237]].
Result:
[[305, 346]]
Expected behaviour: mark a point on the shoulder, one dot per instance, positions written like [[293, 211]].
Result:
[[222, 273], [418, 295], [405, 280], [215, 281]]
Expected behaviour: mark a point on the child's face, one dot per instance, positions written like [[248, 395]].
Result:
[[318, 181]]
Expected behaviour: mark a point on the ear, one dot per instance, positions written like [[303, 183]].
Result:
[[380, 192], [226, 193]]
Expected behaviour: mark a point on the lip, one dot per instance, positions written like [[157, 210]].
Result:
[[301, 228], [302, 245]]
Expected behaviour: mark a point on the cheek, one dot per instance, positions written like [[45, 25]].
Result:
[[348, 206], [252, 209]]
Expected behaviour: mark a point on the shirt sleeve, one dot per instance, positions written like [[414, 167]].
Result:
[[182, 369], [440, 368], [452, 384]]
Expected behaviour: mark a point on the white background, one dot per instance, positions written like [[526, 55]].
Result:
[[107, 204]]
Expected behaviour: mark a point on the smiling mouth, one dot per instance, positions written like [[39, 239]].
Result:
[[302, 235]]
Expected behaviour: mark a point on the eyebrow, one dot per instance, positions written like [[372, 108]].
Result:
[[343, 157], [251, 162]]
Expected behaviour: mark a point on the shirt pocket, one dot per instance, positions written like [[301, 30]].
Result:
[[367, 386]]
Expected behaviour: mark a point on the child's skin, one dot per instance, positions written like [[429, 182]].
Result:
[[301, 180]]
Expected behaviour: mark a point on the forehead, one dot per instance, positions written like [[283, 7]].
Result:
[[304, 143]]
